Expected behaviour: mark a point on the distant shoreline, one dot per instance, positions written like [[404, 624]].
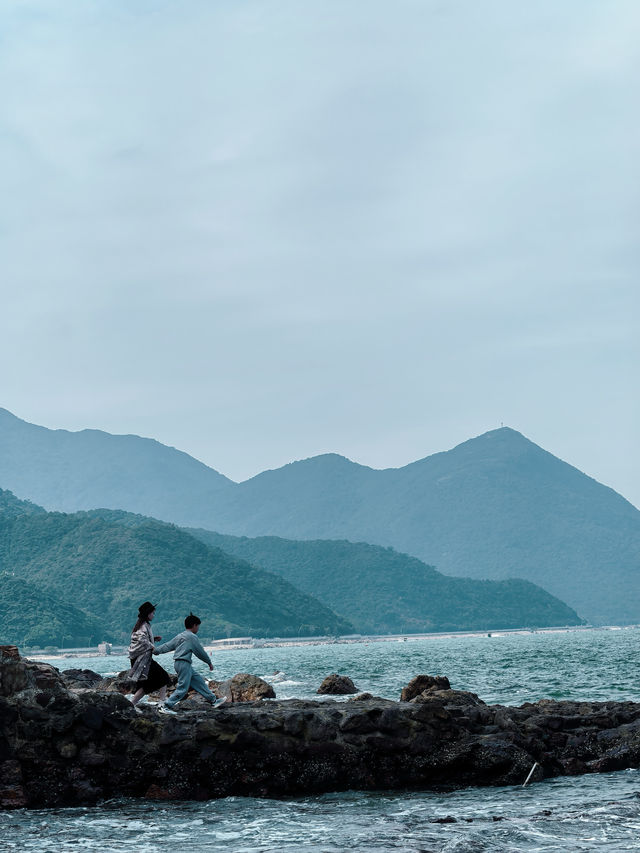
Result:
[[249, 643]]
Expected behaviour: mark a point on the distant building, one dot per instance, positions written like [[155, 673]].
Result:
[[233, 643], [104, 648]]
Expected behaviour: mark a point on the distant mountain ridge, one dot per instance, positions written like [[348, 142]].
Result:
[[67, 471], [496, 506]]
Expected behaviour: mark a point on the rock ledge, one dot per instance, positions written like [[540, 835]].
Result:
[[62, 746]]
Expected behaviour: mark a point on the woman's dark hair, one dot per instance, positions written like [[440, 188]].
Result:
[[191, 620], [143, 614], [139, 623]]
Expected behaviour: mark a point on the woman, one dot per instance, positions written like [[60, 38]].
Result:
[[148, 675]]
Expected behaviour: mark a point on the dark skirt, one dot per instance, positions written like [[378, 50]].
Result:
[[157, 678]]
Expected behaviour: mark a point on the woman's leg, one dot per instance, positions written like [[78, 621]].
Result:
[[137, 696]]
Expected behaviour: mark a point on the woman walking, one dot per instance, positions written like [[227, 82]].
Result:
[[148, 675]]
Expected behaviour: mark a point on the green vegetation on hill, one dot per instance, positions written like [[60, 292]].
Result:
[[12, 507], [380, 590], [108, 569], [29, 616]]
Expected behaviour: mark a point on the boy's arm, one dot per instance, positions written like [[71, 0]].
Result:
[[198, 650], [169, 646]]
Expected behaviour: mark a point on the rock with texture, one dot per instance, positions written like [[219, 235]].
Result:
[[423, 684], [243, 687], [81, 678], [337, 685], [61, 747], [18, 674]]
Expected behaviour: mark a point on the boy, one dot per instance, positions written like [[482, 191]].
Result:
[[186, 644]]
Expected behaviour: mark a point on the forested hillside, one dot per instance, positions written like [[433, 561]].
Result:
[[31, 616], [380, 590], [107, 570]]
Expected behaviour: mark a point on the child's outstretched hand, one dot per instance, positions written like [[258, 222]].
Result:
[[211, 667]]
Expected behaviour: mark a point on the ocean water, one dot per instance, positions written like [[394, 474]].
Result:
[[587, 813]]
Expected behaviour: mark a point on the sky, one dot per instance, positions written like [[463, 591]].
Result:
[[260, 231]]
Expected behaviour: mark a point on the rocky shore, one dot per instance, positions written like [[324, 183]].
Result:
[[64, 743]]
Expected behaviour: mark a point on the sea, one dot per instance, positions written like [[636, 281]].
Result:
[[599, 812]]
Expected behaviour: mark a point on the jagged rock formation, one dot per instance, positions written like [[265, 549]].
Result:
[[66, 747], [423, 684]]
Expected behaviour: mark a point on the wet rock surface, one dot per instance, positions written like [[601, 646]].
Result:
[[61, 746]]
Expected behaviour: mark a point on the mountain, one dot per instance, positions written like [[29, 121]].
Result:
[[30, 616], [68, 471], [496, 506], [382, 591], [108, 569]]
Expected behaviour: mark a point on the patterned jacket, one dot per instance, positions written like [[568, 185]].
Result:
[[140, 652]]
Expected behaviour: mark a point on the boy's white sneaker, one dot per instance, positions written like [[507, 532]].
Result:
[[164, 710], [219, 702]]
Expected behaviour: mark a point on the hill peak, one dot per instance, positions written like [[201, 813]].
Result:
[[501, 439], [324, 464], [333, 460]]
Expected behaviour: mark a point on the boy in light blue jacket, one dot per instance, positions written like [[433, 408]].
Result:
[[187, 644]]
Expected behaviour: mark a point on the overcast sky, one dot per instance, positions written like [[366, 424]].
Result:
[[259, 231]]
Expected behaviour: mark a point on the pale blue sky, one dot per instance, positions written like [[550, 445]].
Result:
[[259, 231]]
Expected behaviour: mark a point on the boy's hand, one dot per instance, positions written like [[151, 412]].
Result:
[[157, 639], [211, 667]]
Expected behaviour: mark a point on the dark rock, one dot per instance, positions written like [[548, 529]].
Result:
[[337, 685], [13, 672], [63, 748], [17, 673], [10, 653], [80, 678], [120, 683], [45, 676], [422, 683], [243, 687], [12, 792]]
